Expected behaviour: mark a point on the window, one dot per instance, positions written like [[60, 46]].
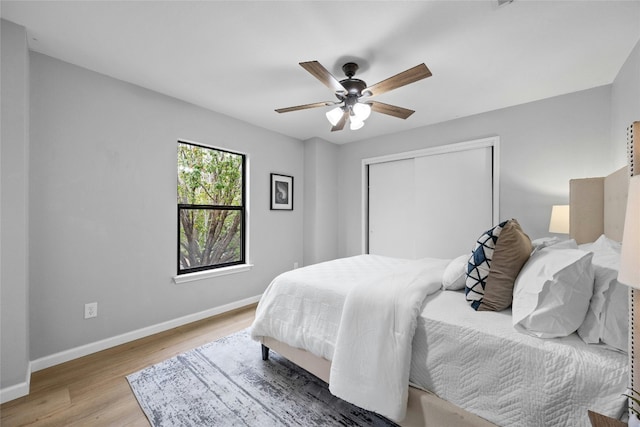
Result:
[[211, 208]]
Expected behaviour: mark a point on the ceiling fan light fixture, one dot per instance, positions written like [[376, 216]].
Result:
[[334, 115], [362, 111], [354, 123]]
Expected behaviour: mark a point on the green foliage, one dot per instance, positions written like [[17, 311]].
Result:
[[211, 235], [631, 394], [209, 177]]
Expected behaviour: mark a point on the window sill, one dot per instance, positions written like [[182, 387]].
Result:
[[200, 275]]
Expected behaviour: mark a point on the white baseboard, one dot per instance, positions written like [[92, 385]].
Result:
[[17, 390], [74, 353]]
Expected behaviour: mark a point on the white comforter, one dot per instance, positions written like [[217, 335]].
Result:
[[510, 378], [361, 314]]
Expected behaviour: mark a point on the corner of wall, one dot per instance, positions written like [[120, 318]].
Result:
[[309, 237], [321, 201], [14, 214], [17, 390]]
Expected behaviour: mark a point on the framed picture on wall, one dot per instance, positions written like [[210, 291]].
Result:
[[281, 192]]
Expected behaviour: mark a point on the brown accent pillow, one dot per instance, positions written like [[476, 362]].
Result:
[[512, 250]]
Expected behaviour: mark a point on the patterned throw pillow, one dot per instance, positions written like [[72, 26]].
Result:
[[479, 265]]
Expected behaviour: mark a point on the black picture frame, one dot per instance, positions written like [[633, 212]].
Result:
[[281, 192]]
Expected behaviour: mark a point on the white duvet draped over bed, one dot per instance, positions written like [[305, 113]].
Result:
[[362, 318], [372, 357]]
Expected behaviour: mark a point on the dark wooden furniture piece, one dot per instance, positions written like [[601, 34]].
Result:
[[599, 420]]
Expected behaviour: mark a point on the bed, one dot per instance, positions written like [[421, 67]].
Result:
[[444, 362]]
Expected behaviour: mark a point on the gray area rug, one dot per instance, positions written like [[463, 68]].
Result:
[[226, 383]]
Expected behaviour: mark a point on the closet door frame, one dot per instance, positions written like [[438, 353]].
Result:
[[491, 142]]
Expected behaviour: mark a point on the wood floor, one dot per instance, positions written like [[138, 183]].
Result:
[[93, 390]]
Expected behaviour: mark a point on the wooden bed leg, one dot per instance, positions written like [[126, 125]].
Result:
[[265, 352]]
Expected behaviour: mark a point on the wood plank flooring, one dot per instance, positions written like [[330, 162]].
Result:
[[93, 390]]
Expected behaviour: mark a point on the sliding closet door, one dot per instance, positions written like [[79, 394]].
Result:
[[453, 202], [391, 208], [430, 206]]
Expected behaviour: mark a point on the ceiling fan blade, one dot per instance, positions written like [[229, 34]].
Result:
[[322, 74], [391, 110], [409, 76], [305, 106], [341, 122]]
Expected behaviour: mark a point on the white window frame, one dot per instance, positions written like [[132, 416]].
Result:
[[233, 269]]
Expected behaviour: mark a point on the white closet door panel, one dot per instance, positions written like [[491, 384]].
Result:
[[453, 203], [391, 208]]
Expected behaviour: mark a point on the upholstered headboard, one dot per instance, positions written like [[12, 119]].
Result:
[[597, 206]]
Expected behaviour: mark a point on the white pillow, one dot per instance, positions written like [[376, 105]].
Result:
[[455, 274], [543, 242], [603, 244], [553, 243], [615, 330], [607, 319], [552, 292], [565, 244]]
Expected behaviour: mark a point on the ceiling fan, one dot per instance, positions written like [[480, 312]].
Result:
[[353, 95]]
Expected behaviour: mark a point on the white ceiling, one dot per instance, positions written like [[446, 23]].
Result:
[[240, 58]]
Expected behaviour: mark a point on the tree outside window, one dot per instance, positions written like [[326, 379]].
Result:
[[211, 211]]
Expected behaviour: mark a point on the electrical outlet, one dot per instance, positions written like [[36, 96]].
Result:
[[295, 265], [90, 310]]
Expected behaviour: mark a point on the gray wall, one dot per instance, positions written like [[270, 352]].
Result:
[[625, 104], [543, 145], [103, 206], [14, 211], [320, 201]]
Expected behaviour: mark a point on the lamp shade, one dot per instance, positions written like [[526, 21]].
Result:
[[629, 273], [355, 123], [334, 115], [559, 222], [362, 111]]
